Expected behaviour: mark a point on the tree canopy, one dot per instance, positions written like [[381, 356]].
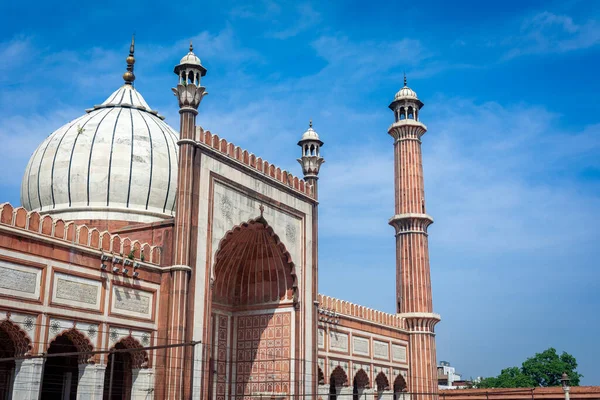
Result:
[[543, 369]]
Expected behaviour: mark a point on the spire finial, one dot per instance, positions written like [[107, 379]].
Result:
[[310, 123], [128, 76], [191, 46], [405, 79]]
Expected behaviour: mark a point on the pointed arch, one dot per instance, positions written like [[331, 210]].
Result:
[[21, 343], [139, 358], [321, 376], [253, 266], [361, 379], [339, 377], [80, 341], [399, 384], [382, 382]]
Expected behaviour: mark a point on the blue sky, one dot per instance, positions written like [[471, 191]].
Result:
[[511, 159]]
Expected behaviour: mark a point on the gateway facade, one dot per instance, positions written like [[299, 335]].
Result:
[[149, 262]]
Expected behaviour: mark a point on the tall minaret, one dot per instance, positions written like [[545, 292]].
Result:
[[190, 94], [413, 277], [311, 161]]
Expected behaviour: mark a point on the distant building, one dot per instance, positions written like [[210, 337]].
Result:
[[448, 378]]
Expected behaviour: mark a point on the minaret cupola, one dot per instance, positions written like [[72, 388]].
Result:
[[311, 159], [190, 69], [406, 104]]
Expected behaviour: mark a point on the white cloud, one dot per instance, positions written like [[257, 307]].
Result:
[[304, 18], [546, 33]]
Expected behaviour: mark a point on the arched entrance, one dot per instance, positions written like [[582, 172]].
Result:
[[337, 380], [121, 365], [7, 368], [61, 372], [253, 310], [360, 383], [14, 342], [399, 387]]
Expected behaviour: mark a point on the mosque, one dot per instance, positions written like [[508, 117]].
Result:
[[151, 262]]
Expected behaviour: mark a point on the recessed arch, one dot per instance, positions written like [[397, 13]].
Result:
[[79, 341], [339, 377], [21, 343], [123, 364], [253, 266], [382, 382], [399, 384], [361, 379]]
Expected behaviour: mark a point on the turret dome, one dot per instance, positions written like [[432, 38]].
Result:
[[406, 93], [116, 162]]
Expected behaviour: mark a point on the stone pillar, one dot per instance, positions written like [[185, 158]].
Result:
[[27, 379], [90, 384], [345, 392], [143, 384]]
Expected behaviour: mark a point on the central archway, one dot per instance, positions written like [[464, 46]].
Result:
[[254, 294]]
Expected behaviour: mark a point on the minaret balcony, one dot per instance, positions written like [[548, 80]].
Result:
[[407, 129], [420, 322], [411, 223]]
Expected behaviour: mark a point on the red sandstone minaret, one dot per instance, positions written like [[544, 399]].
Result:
[[413, 277], [190, 94]]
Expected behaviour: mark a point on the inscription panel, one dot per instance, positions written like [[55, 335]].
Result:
[[76, 291], [360, 346], [321, 338], [381, 349], [18, 280], [338, 341], [398, 353], [132, 302]]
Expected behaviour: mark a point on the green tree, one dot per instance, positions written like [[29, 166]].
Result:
[[543, 369], [547, 367], [511, 377]]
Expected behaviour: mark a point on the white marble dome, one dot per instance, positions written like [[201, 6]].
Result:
[[310, 134], [116, 162], [406, 93], [190, 58]]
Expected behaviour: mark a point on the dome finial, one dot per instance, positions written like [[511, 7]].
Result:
[[405, 79], [310, 123], [128, 76], [191, 46]]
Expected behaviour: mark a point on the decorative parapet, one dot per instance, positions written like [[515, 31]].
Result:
[[81, 235], [236, 153], [345, 308]]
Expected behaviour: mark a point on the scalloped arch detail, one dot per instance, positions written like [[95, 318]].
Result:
[[253, 266], [20, 339]]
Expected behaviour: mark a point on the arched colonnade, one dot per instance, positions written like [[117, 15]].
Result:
[[69, 371]]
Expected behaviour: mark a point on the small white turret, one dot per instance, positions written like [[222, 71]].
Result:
[[311, 159], [189, 92]]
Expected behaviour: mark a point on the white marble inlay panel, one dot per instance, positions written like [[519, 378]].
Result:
[[321, 338], [398, 353], [360, 345], [132, 302], [381, 349], [338, 341], [76, 291], [19, 280]]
